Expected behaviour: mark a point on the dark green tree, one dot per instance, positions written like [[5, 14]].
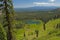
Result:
[[44, 22], [7, 8], [37, 33]]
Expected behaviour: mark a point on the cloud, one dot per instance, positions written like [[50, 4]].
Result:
[[52, 0], [40, 3], [46, 4]]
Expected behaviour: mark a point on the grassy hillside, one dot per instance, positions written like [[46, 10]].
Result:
[[29, 31]]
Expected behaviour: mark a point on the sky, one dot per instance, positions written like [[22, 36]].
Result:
[[33, 3]]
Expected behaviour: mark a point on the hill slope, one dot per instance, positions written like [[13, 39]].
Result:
[[49, 34]]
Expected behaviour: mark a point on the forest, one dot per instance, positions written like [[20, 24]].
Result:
[[29, 25]]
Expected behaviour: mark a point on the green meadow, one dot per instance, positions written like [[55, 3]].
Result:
[[28, 32]]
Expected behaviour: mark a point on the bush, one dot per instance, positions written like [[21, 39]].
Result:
[[2, 33]]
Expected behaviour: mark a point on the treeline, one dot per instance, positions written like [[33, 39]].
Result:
[[38, 15]]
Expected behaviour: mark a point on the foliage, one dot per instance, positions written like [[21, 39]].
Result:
[[29, 31], [8, 17], [2, 33]]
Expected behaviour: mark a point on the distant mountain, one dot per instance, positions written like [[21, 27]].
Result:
[[36, 8]]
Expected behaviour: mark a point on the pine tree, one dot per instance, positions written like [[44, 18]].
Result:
[[8, 17]]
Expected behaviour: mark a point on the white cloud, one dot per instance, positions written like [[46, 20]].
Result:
[[52, 0], [40, 3], [46, 4]]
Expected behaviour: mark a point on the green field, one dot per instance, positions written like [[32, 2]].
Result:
[[28, 31]]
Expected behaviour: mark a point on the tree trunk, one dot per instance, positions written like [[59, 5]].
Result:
[[44, 26], [9, 31]]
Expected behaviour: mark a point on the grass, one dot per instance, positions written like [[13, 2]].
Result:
[[51, 33]]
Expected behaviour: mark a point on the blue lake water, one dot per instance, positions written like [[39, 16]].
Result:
[[32, 22]]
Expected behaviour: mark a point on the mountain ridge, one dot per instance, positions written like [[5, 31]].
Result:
[[36, 8]]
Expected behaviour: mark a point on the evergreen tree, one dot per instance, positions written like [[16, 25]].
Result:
[[8, 17]]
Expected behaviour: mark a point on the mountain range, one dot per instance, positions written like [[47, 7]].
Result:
[[36, 8]]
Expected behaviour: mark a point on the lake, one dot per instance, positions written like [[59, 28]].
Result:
[[32, 22]]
